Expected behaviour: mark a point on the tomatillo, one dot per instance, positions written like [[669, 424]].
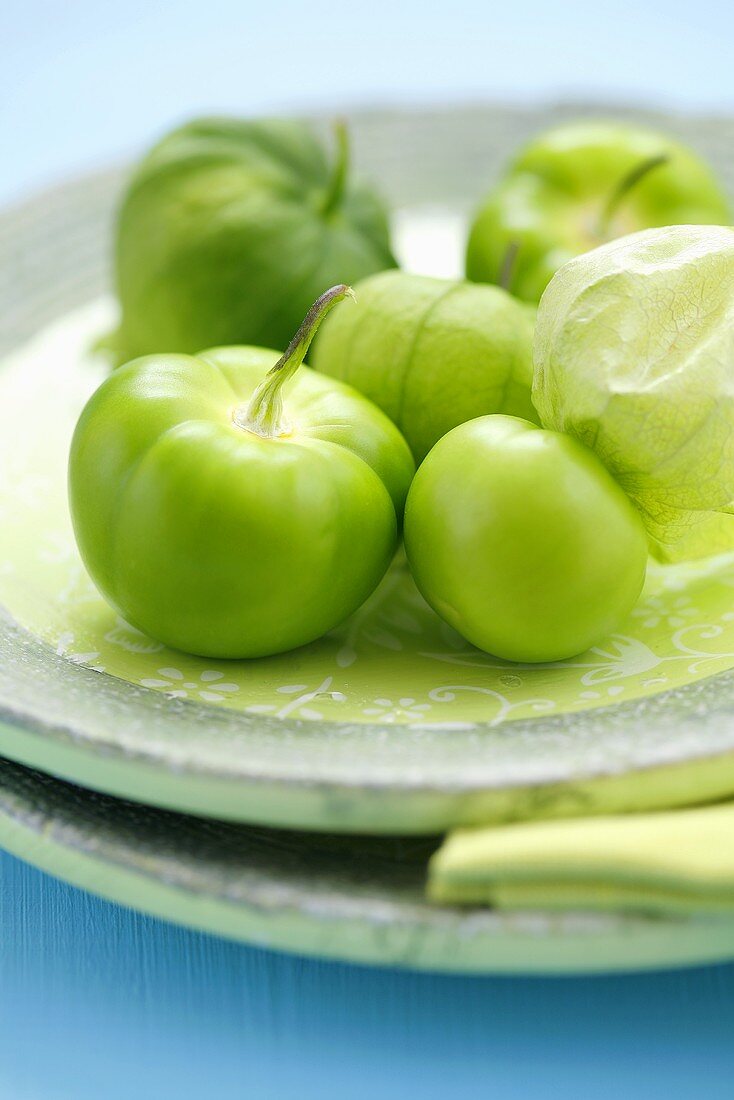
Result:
[[221, 519], [230, 228], [634, 350], [577, 186], [432, 353], [522, 541]]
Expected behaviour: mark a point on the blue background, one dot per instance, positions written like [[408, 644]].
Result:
[[99, 1002], [83, 81]]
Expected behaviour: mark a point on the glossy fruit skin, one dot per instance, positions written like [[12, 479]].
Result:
[[551, 200], [431, 353], [522, 541], [223, 237], [215, 540]]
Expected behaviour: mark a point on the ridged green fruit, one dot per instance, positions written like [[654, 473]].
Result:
[[225, 518]]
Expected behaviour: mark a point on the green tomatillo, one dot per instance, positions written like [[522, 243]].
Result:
[[577, 186], [634, 356], [432, 353], [522, 541], [229, 229], [225, 519]]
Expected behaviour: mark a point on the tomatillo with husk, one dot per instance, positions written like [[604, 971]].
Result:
[[577, 186], [432, 353], [634, 356], [230, 228], [523, 541], [226, 517]]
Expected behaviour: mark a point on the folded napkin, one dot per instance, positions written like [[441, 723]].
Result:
[[678, 861]]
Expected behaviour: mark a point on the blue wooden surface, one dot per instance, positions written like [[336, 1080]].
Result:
[[99, 1002]]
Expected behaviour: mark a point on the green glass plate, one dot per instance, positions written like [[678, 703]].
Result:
[[390, 723], [351, 898]]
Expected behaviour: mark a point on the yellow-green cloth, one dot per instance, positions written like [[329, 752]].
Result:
[[677, 861]]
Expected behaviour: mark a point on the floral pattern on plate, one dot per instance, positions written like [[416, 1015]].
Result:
[[393, 663]]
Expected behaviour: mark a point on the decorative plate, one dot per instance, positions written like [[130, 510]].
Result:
[[392, 722]]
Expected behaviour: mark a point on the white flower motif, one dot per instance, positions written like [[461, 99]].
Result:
[[404, 710], [660, 612], [63, 649], [620, 657], [209, 687], [615, 689], [300, 703], [130, 639]]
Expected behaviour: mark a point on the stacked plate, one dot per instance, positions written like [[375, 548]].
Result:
[[294, 801]]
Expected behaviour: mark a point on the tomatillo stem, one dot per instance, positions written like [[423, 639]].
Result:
[[341, 165], [625, 185], [509, 262], [264, 414]]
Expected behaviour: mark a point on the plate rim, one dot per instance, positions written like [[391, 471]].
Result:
[[286, 796], [27, 735]]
